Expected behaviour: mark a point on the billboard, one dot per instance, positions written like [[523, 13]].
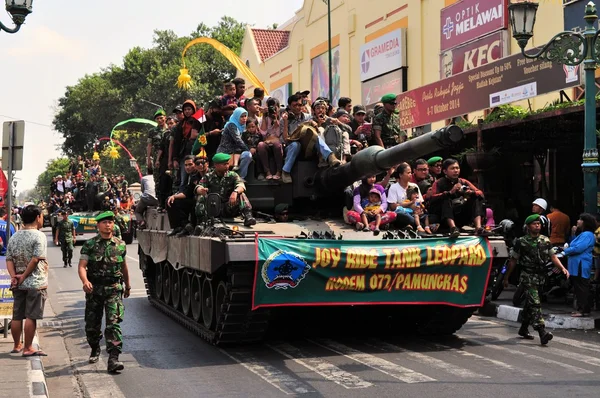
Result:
[[471, 19], [573, 13], [320, 75], [382, 55], [281, 93], [374, 89], [477, 53], [510, 79]]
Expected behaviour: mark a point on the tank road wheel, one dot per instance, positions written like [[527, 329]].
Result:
[[176, 288], [196, 296], [186, 291], [158, 281], [208, 308], [167, 282], [220, 298]]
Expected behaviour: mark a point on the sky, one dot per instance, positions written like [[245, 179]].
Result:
[[63, 40]]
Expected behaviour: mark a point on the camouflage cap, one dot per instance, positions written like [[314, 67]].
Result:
[[106, 215]]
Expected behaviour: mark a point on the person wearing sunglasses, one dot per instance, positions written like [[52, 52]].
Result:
[[386, 125]]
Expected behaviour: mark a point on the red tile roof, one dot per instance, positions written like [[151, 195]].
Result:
[[270, 41]]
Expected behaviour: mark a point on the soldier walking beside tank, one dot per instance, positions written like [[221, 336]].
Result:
[[66, 236], [103, 271], [533, 251]]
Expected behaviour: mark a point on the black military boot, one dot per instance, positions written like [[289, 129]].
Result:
[[249, 219], [175, 231], [95, 354], [545, 337], [114, 365], [65, 266], [524, 332], [186, 231]]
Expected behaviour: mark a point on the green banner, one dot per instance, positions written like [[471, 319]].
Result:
[[295, 272]]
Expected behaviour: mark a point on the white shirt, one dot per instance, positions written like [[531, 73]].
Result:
[[148, 187], [397, 194]]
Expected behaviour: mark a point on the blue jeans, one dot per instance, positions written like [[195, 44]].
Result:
[[245, 160], [293, 150]]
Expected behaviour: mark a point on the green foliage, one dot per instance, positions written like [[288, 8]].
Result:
[[54, 167], [506, 112], [495, 151]]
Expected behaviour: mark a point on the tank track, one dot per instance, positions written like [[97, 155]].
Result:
[[235, 322]]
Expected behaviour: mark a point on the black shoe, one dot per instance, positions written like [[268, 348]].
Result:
[[65, 266], [70, 265], [187, 231], [249, 221], [545, 337], [175, 231], [114, 365], [95, 355], [454, 232], [524, 332]]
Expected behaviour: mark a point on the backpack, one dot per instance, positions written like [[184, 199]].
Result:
[[334, 138]]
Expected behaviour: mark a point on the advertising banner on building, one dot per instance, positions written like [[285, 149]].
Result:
[[510, 79], [374, 89], [292, 272], [477, 53], [470, 19], [573, 13], [281, 93], [382, 55], [320, 75]]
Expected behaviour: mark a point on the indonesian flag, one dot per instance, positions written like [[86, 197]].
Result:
[[199, 115], [201, 141]]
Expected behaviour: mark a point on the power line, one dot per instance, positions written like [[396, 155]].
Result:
[[28, 121]]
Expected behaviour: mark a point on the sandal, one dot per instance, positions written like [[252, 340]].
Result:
[[277, 177], [577, 315], [39, 353], [269, 176]]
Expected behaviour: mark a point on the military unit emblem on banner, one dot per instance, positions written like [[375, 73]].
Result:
[[284, 269]]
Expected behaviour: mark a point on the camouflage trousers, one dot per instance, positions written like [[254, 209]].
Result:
[[107, 300], [241, 207], [67, 251], [532, 310]]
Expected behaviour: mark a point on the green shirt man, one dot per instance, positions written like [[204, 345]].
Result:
[[65, 236]]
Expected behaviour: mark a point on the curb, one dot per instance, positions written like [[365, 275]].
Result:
[[37, 377], [553, 321]]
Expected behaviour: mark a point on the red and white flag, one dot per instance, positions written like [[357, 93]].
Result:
[[199, 115]]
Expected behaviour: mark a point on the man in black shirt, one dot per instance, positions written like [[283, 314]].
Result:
[[181, 205], [184, 135], [213, 126]]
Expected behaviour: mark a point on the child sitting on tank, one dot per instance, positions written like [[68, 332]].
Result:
[[252, 137], [412, 196], [371, 205]]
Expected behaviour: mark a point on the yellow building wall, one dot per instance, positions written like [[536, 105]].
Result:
[[356, 22]]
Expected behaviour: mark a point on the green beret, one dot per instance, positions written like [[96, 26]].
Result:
[[221, 158], [532, 218], [388, 98], [434, 160], [160, 112], [107, 215], [280, 208]]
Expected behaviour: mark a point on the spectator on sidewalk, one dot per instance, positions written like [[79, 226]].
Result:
[[560, 226], [579, 254], [28, 269]]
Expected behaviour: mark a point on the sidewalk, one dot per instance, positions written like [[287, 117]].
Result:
[[557, 313]]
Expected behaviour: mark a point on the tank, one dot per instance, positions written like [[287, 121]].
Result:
[[208, 282]]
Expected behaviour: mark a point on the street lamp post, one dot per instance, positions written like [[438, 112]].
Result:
[[328, 2], [18, 10], [571, 49]]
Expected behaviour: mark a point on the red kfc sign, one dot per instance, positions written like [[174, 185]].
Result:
[[473, 55], [470, 19]]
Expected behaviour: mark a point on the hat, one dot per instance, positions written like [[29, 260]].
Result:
[[532, 218], [107, 215], [388, 98], [378, 107], [541, 202], [303, 93], [375, 190], [434, 160], [221, 158], [281, 208], [160, 112], [340, 112], [178, 108], [358, 109]]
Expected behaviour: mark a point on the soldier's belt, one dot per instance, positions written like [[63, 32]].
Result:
[[104, 280]]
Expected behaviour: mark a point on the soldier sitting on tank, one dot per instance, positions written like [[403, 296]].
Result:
[[180, 207], [456, 201], [229, 186]]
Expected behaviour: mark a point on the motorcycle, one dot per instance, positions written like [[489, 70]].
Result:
[[496, 281]]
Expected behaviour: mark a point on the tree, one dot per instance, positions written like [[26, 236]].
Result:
[[54, 167]]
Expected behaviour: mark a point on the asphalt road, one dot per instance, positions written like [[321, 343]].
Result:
[[163, 359]]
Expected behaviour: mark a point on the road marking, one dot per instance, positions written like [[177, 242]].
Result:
[[427, 360], [133, 259], [547, 361], [283, 382], [389, 368], [576, 344], [323, 368]]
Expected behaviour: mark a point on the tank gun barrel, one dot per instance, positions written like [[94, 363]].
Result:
[[375, 159]]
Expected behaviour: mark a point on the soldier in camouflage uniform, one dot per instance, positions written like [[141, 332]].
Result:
[[103, 270], [229, 186], [65, 235], [154, 148], [533, 251], [386, 125]]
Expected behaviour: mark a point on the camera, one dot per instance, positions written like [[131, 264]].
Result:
[[464, 188], [272, 107]]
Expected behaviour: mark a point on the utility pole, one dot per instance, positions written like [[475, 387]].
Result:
[[328, 2]]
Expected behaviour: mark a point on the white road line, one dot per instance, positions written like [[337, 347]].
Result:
[[275, 377], [323, 368], [133, 259], [573, 369], [427, 360], [389, 368], [576, 344]]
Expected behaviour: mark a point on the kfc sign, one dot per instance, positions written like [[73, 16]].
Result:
[[470, 19], [382, 55], [470, 56]]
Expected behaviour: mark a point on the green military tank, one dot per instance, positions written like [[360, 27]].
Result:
[[231, 282]]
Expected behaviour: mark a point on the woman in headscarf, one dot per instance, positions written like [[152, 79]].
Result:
[[231, 140], [361, 198]]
